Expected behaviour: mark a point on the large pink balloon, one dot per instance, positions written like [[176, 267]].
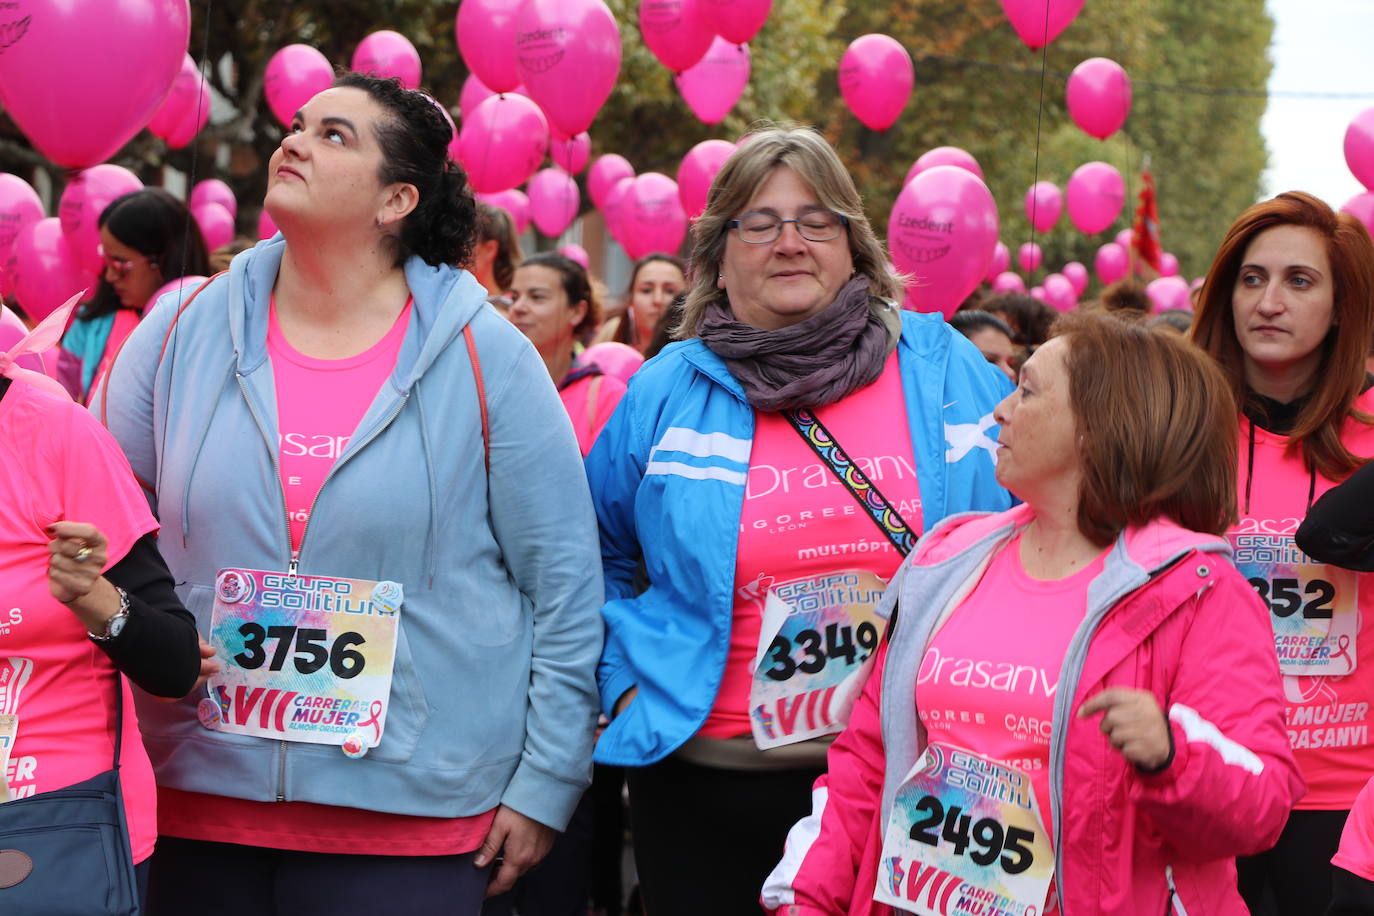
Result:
[[81, 77], [737, 21], [1169, 293], [1359, 147], [513, 201], [698, 170], [1039, 293], [616, 208], [1111, 263], [1044, 203], [943, 231], [1361, 206], [676, 31], [295, 75], [614, 358], [20, 208], [1076, 274], [554, 201], [567, 53], [1096, 195], [216, 224], [1036, 25], [47, 272], [196, 116], [81, 205], [1008, 282], [189, 284], [486, 39], [1029, 257], [876, 76], [576, 252], [944, 155], [475, 92], [652, 218], [1099, 96], [180, 99], [266, 227], [1168, 264], [605, 173], [713, 86], [388, 53], [214, 191], [1124, 238], [1001, 260], [503, 142], [1059, 292], [570, 153]]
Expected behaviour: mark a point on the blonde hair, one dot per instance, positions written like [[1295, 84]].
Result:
[[807, 153]]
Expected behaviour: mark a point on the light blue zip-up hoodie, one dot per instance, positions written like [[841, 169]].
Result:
[[668, 475], [493, 698]]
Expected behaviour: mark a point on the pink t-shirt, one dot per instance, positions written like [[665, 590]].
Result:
[[57, 463], [1329, 717], [590, 401], [1356, 853], [319, 405], [799, 520]]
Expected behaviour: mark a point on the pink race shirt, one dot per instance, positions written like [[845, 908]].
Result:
[[58, 464], [799, 520], [1329, 716]]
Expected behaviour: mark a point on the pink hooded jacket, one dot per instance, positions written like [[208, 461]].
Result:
[[1169, 614]]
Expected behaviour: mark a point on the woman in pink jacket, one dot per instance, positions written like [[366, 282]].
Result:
[[1080, 710]]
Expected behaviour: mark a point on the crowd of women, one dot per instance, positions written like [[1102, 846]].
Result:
[[1069, 616]]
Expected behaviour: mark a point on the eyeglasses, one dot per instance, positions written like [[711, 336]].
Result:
[[122, 266], [758, 228]]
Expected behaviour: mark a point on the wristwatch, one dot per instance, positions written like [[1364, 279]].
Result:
[[115, 625]]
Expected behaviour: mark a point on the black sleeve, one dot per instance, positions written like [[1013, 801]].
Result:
[[158, 648], [1351, 895], [1339, 528]]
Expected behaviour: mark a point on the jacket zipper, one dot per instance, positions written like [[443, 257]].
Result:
[[1175, 905]]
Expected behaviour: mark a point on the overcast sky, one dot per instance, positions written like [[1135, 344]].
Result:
[[1319, 46]]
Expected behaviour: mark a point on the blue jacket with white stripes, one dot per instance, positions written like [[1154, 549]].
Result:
[[668, 477]]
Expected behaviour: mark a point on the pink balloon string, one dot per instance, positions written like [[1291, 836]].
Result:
[[37, 342]]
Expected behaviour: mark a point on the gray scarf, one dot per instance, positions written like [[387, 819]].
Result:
[[815, 362]]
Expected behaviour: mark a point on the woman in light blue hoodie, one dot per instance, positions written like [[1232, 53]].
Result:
[[373, 499]]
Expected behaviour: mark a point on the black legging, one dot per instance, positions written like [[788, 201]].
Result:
[[1294, 878]]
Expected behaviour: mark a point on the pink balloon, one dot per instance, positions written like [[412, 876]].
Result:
[[737, 21], [1077, 274], [196, 116], [20, 208], [570, 153], [616, 208], [1044, 203], [567, 53], [486, 39], [1169, 293], [605, 173], [1168, 265], [1008, 282], [554, 201], [614, 358], [1361, 206], [1197, 284], [503, 142], [876, 76], [81, 77], [675, 31], [180, 99], [13, 330], [513, 201], [214, 191], [46, 271], [943, 155], [1111, 263], [475, 92], [295, 75], [1059, 292], [576, 252], [1001, 260], [1096, 195], [188, 283], [1359, 147], [1037, 26], [81, 205], [387, 53], [698, 170], [266, 227], [943, 231], [713, 86], [1029, 257], [216, 225], [1039, 293], [1099, 96], [652, 218]]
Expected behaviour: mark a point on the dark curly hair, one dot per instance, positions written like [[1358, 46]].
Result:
[[442, 228]]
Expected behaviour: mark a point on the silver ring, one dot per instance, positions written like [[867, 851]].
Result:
[[82, 555]]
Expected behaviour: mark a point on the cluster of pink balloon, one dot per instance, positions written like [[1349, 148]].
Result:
[[1359, 155], [704, 43]]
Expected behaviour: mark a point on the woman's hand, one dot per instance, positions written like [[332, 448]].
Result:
[[76, 557], [516, 843], [1134, 724]]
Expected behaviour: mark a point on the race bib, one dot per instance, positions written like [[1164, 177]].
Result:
[[1312, 607], [9, 729], [14, 674], [305, 658], [816, 645], [965, 837]]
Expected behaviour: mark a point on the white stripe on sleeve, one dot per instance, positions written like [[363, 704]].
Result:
[[778, 890], [1196, 728]]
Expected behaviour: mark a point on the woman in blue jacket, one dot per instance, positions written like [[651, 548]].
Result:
[[369, 488], [763, 478]]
